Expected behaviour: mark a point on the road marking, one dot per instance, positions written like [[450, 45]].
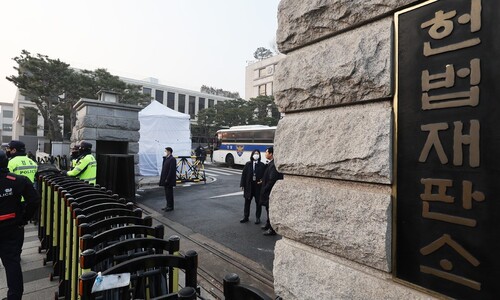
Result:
[[228, 195], [265, 250]]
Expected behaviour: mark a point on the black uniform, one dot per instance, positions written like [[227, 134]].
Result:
[[13, 216], [250, 182]]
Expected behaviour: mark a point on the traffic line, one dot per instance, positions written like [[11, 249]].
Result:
[[227, 195]]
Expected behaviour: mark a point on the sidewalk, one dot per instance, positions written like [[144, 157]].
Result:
[[35, 275]]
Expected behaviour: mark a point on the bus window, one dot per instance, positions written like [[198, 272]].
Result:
[[264, 136]]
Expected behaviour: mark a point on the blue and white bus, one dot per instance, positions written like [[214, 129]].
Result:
[[234, 145]]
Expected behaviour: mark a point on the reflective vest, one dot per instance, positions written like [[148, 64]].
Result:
[[85, 169], [23, 165]]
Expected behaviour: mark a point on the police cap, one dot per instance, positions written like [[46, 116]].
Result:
[[18, 145], [85, 145]]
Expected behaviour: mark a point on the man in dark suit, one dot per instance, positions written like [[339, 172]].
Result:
[[271, 175], [251, 180], [168, 178]]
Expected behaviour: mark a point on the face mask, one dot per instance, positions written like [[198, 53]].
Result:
[[256, 157]]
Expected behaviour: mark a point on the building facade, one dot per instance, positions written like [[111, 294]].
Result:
[[7, 119], [179, 99], [259, 77]]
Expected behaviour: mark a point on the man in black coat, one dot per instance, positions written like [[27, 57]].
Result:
[[168, 178], [250, 183], [271, 175]]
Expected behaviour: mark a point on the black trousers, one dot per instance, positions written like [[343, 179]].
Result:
[[11, 244], [169, 196], [258, 207], [255, 192], [268, 221]]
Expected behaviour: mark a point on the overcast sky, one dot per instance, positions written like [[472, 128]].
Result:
[[183, 43]]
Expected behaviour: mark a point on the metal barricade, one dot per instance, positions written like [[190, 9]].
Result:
[[190, 169]]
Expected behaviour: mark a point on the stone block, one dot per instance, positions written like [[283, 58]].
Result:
[[301, 272], [86, 134], [133, 147], [349, 142], [117, 135], [352, 67], [302, 22], [100, 111], [347, 219], [127, 114], [116, 123]]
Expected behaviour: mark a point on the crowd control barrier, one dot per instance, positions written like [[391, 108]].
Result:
[[190, 169]]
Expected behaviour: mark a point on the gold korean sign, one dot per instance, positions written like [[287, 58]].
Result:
[[447, 149]]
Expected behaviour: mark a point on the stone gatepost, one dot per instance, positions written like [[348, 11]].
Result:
[[334, 146], [112, 128]]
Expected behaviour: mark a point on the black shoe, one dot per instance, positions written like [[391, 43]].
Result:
[[257, 221], [168, 209], [244, 220], [265, 227], [270, 232]]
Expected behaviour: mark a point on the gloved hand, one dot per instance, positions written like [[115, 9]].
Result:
[[64, 173]]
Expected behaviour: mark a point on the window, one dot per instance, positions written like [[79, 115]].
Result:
[[264, 136], [159, 96], [171, 100], [192, 106], [262, 90], [146, 91], [201, 103], [7, 114], [182, 103], [30, 121], [262, 72], [211, 103], [6, 138], [6, 127]]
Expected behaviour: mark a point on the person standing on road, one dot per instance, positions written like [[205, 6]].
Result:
[[168, 178], [250, 183], [271, 175], [13, 216], [200, 153]]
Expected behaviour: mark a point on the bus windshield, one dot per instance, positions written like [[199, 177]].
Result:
[[235, 144]]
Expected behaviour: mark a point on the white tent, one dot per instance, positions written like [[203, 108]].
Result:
[[161, 127]]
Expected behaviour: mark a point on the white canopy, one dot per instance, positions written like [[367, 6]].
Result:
[[161, 127]]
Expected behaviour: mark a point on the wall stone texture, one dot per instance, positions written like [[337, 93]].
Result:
[[343, 218], [351, 67], [305, 273], [303, 22], [349, 143]]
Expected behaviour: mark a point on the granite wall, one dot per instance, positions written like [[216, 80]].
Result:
[[334, 145]]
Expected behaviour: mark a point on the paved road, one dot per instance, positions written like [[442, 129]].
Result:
[[214, 210]]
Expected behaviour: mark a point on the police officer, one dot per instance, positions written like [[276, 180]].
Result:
[[75, 154], [13, 216], [86, 166], [19, 163]]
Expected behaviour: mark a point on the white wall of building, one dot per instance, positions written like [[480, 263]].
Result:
[[259, 77]]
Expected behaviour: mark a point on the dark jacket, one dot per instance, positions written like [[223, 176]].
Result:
[[271, 175], [12, 188], [168, 171], [247, 178]]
